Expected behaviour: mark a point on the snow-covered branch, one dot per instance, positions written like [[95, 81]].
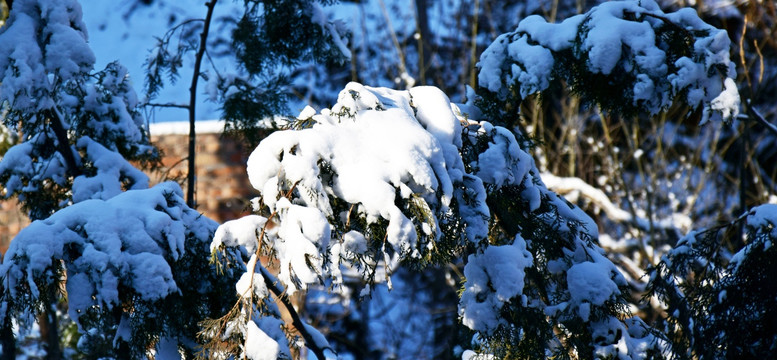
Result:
[[447, 183], [54, 99], [626, 56], [573, 188], [126, 259]]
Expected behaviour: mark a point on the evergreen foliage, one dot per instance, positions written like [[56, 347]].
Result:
[[132, 285], [79, 129], [55, 100], [720, 300], [265, 43], [271, 37], [349, 194], [552, 318], [527, 248]]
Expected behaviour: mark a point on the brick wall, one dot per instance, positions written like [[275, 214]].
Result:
[[12, 220], [223, 190]]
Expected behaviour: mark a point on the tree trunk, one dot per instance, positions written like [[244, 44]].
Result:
[[63, 143], [121, 349], [7, 340], [424, 42], [49, 331], [9, 3]]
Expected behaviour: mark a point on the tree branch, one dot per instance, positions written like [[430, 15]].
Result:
[[179, 106], [566, 185], [272, 284], [7, 339], [760, 118], [63, 144], [193, 101]]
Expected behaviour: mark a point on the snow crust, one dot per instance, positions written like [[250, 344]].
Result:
[[764, 217], [272, 327], [182, 127], [354, 242], [471, 355], [24, 173], [495, 274], [303, 235], [251, 283], [376, 149], [760, 224]]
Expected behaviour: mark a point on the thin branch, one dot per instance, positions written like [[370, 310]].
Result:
[[760, 118], [213, 65], [166, 175], [760, 62], [279, 291], [394, 39], [566, 185], [743, 183], [184, 23], [193, 101], [179, 106], [718, 227], [742, 53]]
